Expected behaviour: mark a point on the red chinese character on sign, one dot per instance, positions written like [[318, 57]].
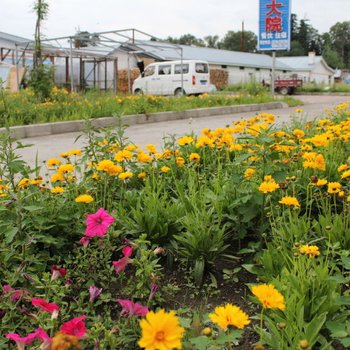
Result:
[[274, 8], [273, 24]]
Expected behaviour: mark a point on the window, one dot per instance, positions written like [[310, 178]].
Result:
[[241, 68], [148, 71], [224, 66], [202, 68], [257, 69], [164, 69], [185, 68]]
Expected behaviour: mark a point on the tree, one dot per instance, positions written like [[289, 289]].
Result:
[[340, 39], [212, 41], [41, 9], [235, 41], [186, 39]]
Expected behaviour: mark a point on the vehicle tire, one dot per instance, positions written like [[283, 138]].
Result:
[[283, 91], [138, 92], [179, 92]]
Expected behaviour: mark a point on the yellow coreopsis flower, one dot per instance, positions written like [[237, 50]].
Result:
[[185, 140], [53, 162], [290, 201], [345, 174], [333, 187], [57, 189], [84, 198], [268, 186], [142, 175], [164, 169], [195, 157], [249, 173], [126, 175], [75, 152], [161, 330], [23, 183], [310, 250], [298, 133], [151, 148], [143, 157], [269, 296], [180, 162], [320, 182], [65, 168], [123, 155], [56, 177], [229, 315]]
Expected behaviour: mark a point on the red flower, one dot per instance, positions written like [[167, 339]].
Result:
[[15, 294], [130, 308], [21, 341], [45, 306], [123, 262], [97, 224], [75, 327], [44, 338]]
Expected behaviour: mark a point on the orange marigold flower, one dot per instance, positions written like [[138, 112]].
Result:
[[269, 296], [62, 341]]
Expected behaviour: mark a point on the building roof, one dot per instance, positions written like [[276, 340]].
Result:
[[13, 38], [166, 51], [304, 63]]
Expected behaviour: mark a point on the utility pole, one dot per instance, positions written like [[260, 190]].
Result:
[[242, 37]]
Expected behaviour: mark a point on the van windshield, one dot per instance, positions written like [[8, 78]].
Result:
[[202, 68]]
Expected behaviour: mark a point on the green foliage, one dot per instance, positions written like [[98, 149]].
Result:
[[41, 81]]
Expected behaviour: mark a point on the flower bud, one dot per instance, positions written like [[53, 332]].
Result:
[[206, 331], [304, 344]]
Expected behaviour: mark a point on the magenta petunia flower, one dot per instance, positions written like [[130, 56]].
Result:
[[75, 326], [97, 224], [44, 338], [16, 294], [120, 264], [85, 241], [132, 309], [45, 306], [57, 272], [21, 342], [94, 293]]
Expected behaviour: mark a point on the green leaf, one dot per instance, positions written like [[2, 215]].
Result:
[[10, 234], [200, 343]]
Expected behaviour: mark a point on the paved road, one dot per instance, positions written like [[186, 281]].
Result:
[[51, 146]]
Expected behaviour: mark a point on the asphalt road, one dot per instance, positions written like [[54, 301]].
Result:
[[46, 147]]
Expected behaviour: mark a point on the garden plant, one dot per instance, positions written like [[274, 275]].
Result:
[[237, 238]]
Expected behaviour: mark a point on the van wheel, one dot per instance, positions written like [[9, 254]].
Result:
[[138, 92], [179, 92]]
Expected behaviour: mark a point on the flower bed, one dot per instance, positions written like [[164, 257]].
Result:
[[119, 247]]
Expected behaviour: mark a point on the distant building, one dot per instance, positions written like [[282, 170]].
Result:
[[312, 68]]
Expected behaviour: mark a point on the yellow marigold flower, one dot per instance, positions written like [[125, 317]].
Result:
[[126, 175], [75, 152], [131, 148], [345, 174], [290, 201], [195, 157], [123, 155], [268, 178], [142, 175], [164, 169], [229, 315], [298, 133], [62, 341], [310, 250], [161, 330], [180, 162], [65, 168], [23, 183], [342, 167], [333, 187], [84, 198], [57, 189], [64, 155], [185, 140], [151, 148], [249, 173], [269, 296], [268, 186], [321, 182], [143, 157], [53, 162]]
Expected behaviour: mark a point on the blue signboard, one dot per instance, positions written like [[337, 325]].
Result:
[[274, 25]]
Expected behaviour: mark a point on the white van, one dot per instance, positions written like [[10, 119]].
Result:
[[165, 78]]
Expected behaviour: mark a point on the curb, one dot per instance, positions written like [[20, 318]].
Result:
[[35, 130]]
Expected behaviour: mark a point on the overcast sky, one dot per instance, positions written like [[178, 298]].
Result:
[[159, 18]]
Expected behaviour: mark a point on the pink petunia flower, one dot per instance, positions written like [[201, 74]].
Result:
[[21, 342], [97, 224], [57, 272], [94, 293], [44, 338], [52, 308], [132, 309], [16, 294], [85, 241], [120, 264], [75, 326]]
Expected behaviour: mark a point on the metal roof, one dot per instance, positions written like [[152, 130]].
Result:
[[13, 38], [304, 63], [213, 56]]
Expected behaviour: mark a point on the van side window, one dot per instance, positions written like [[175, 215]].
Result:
[[185, 68], [164, 69], [201, 68], [148, 71]]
